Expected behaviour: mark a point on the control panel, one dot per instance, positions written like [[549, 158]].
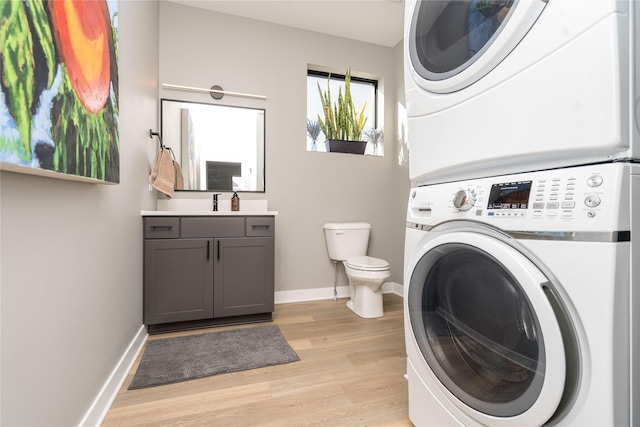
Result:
[[580, 196], [548, 196]]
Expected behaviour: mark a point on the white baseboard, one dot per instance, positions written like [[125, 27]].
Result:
[[304, 295], [98, 410]]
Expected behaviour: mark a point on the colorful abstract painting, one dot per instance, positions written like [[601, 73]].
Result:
[[59, 87]]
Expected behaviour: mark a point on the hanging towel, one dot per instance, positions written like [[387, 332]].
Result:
[[179, 185], [163, 176], [156, 167]]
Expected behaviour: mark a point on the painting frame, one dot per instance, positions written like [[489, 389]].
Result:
[[59, 104]]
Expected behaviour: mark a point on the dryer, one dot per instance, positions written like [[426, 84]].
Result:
[[522, 299], [506, 86]]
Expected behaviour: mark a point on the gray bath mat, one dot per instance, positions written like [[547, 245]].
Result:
[[171, 360]]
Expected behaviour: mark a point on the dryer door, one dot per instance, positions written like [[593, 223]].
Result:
[[486, 330], [454, 43]]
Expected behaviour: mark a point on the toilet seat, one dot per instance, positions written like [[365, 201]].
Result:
[[367, 263]]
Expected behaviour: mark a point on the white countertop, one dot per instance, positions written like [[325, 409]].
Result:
[[209, 213], [204, 207]]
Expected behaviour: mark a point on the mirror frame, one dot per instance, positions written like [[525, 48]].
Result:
[[264, 141]]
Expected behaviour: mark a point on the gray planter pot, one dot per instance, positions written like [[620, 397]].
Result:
[[341, 146]]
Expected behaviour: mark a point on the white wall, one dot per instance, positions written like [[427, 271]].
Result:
[[71, 265], [203, 48]]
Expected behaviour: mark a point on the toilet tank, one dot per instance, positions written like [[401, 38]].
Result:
[[347, 239]]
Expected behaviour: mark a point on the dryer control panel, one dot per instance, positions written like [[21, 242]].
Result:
[[580, 198]]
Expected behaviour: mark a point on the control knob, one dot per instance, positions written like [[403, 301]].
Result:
[[464, 199]]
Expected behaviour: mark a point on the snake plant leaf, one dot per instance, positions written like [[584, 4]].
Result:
[[362, 120], [341, 120], [323, 127]]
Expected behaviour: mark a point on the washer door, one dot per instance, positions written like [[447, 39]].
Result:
[[481, 319], [454, 43]]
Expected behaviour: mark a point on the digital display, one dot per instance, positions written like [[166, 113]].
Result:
[[510, 195]]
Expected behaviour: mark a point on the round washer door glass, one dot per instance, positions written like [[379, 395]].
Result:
[[451, 38], [478, 330]]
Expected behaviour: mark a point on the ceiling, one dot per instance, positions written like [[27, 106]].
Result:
[[373, 21]]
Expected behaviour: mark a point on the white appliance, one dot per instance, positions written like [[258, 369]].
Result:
[[506, 86], [522, 299], [348, 242]]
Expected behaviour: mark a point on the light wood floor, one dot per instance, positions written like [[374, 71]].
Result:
[[350, 373]]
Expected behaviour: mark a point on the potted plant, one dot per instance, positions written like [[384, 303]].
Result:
[[343, 124], [374, 136], [313, 130]]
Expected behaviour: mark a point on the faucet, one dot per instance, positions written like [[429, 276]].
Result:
[[215, 201]]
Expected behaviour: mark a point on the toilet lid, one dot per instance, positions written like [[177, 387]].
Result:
[[367, 263]]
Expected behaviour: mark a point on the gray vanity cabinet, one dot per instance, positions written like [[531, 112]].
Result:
[[205, 271], [178, 280], [243, 274]]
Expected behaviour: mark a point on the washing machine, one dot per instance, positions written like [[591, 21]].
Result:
[[521, 299], [507, 86]]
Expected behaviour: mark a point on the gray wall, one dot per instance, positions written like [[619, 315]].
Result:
[[71, 272], [202, 48]]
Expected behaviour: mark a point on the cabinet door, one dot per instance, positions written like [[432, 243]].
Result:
[[178, 280], [243, 276]]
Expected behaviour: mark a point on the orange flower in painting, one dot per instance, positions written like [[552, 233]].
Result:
[[81, 29]]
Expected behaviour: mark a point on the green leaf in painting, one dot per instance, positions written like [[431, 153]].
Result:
[[18, 69]]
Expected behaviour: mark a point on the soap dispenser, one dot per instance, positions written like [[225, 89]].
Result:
[[235, 202]]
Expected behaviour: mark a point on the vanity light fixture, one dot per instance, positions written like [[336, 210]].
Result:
[[215, 91]]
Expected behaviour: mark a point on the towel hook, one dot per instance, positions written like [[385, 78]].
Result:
[[152, 134]]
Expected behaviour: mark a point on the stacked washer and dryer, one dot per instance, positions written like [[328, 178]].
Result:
[[522, 256]]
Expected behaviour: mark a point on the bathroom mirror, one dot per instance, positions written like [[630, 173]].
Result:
[[219, 148]]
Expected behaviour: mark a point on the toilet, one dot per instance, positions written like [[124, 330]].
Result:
[[348, 242]]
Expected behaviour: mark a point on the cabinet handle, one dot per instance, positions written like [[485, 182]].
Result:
[[208, 248], [265, 226], [218, 250], [162, 227]]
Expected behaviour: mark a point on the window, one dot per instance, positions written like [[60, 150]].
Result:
[[363, 91]]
